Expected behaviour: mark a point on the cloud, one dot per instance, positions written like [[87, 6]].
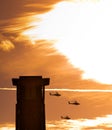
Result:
[[5, 44], [39, 59], [27, 59], [15, 17], [14, 8]]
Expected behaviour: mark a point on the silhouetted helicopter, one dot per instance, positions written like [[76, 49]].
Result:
[[65, 117], [74, 103], [55, 94]]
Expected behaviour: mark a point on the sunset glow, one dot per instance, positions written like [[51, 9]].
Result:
[[99, 123], [67, 44], [7, 127], [80, 124], [82, 32], [67, 90]]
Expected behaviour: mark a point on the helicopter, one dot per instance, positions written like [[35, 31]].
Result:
[[65, 117], [74, 103], [55, 94]]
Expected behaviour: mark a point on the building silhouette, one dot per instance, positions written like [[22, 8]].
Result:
[[30, 106]]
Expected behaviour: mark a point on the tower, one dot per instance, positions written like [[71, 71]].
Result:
[[30, 106]]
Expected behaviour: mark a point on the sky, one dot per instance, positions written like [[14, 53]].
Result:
[[67, 41]]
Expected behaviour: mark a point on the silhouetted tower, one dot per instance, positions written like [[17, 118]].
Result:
[[30, 107]]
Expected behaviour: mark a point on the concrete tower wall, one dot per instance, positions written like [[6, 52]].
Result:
[[30, 113]]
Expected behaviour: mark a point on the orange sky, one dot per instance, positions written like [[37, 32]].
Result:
[[19, 57]]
